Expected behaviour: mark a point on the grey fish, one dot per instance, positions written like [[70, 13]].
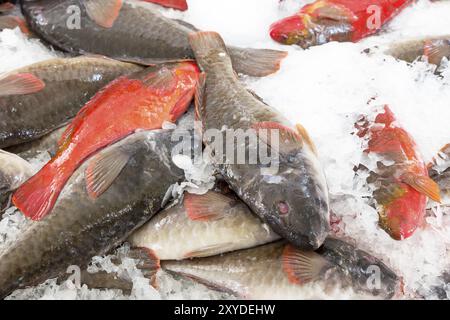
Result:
[[81, 227], [294, 200], [42, 97], [281, 271], [202, 225], [47, 143], [439, 170], [434, 49], [13, 172], [135, 33]]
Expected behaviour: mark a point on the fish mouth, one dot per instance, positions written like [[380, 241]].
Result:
[[290, 30]]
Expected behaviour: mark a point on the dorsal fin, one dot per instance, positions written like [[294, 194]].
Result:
[[103, 12]]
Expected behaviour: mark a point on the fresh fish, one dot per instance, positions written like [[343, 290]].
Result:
[[140, 170], [13, 172], [143, 100], [281, 271], [433, 49], [439, 171], [129, 32], [203, 225], [48, 143], [40, 98], [294, 200], [335, 20], [401, 180]]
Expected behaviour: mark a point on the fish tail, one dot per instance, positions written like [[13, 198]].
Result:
[[252, 62], [205, 43], [256, 62], [36, 197]]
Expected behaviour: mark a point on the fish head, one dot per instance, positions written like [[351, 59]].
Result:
[[13, 171], [364, 272], [306, 30], [297, 205], [173, 84]]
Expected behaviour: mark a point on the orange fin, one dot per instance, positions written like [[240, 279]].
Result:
[[20, 83], [104, 168], [147, 261], [11, 22], [424, 185], [162, 80], [210, 250], [206, 207], [37, 196], [436, 50], [174, 4], [302, 266], [306, 137], [103, 12], [288, 139], [200, 97], [326, 10]]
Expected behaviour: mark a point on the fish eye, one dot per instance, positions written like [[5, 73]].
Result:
[[283, 208]]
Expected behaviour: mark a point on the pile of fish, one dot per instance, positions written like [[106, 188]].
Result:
[[101, 111]]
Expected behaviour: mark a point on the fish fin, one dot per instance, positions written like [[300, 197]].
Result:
[[306, 137], [147, 261], [302, 266], [206, 207], [325, 10], [424, 185], [103, 12], [20, 83], [174, 4], [436, 50], [162, 80], [12, 22], [289, 139], [209, 251], [37, 196], [256, 62], [103, 169], [200, 96]]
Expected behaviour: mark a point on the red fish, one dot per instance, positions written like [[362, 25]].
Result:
[[143, 100], [336, 20], [401, 179], [174, 4]]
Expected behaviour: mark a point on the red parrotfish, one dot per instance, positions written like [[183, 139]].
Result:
[[143, 100], [400, 180], [335, 20]]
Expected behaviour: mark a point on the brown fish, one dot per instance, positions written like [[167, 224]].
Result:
[[48, 143], [129, 32], [293, 201], [81, 227], [281, 271], [42, 97], [433, 49], [439, 170]]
